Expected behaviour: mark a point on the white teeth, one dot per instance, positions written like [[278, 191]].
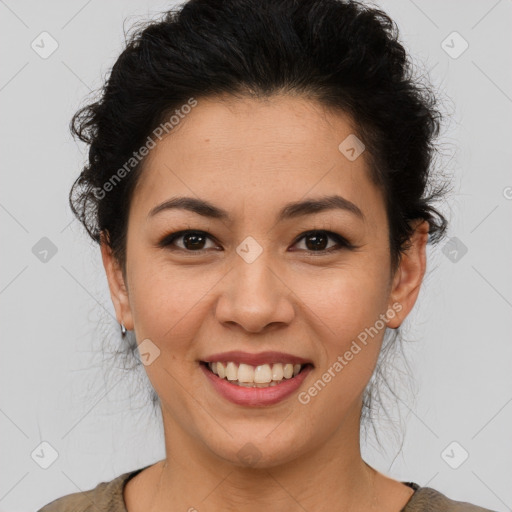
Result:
[[288, 371], [231, 371], [261, 376], [245, 373], [277, 372]]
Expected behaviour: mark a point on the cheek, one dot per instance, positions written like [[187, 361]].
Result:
[[348, 306], [165, 300], [349, 299], [349, 340]]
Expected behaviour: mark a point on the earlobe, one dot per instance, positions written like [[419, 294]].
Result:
[[409, 275], [116, 283]]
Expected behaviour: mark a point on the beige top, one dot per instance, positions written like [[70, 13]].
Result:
[[108, 496]]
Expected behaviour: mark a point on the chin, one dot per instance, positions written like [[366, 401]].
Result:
[[257, 449]]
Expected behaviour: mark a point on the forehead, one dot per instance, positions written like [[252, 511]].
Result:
[[227, 127], [259, 151]]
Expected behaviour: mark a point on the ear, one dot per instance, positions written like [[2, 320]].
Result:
[[409, 275], [116, 283]]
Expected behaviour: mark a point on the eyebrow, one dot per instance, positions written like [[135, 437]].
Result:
[[289, 211]]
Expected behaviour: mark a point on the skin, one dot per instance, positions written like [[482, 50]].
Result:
[[251, 157]]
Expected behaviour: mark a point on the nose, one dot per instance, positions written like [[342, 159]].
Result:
[[254, 296]]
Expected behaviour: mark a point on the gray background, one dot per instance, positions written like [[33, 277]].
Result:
[[55, 313]]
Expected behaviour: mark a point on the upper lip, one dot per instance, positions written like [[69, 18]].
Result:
[[260, 358]]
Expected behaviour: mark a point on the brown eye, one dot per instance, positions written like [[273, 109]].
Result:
[[192, 241], [317, 241]]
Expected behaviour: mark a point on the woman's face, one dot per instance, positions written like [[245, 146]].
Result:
[[252, 281]]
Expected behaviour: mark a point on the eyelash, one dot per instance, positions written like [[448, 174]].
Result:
[[341, 241]]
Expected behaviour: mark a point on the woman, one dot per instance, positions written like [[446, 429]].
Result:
[[258, 183]]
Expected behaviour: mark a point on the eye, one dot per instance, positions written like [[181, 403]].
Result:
[[193, 241], [316, 241]]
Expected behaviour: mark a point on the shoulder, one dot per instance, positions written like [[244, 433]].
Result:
[[106, 496], [426, 499]]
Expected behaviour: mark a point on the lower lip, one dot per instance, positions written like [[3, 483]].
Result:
[[241, 395]]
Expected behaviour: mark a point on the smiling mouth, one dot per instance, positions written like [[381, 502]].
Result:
[[261, 376]]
